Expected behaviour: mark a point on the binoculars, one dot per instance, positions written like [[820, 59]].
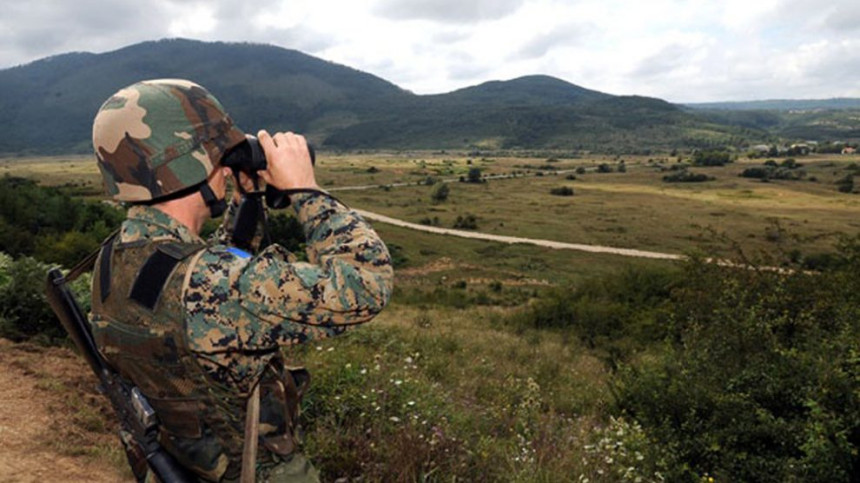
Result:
[[248, 157]]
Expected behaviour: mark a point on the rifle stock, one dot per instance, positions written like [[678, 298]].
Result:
[[136, 416]]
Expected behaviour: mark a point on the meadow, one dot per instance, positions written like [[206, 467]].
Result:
[[503, 362]]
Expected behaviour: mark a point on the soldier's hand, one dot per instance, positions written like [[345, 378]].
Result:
[[289, 161]]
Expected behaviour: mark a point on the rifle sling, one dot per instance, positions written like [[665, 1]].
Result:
[[89, 262]]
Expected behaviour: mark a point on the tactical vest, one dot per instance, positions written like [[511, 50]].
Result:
[[139, 324]]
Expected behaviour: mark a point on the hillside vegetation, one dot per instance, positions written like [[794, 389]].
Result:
[[48, 106], [518, 363]]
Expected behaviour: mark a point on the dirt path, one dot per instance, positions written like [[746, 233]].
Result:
[[627, 252], [38, 435]]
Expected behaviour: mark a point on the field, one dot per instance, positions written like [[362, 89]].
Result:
[[633, 209], [448, 383]]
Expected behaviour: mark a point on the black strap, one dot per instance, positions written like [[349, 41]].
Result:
[[87, 263], [156, 270], [104, 268]]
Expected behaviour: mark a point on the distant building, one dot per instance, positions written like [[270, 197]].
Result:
[[849, 150]]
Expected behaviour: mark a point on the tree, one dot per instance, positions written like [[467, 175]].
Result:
[[474, 176], [440, 193]]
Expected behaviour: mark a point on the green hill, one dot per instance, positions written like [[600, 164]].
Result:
[[48, 106]]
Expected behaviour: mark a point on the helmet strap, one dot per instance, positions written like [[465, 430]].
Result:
[[216, 207]]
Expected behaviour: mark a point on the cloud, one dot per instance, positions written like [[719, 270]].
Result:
[[733, 49], [39, 28], [453, 11], [562, 35], [844, 18]]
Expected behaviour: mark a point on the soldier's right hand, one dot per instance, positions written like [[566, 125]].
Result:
[[289, 161]]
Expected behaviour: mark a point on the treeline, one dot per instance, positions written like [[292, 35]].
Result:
[[43, 226], [50, 225], [736, 374]]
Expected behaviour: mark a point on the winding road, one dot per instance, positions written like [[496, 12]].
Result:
[[627, 252]]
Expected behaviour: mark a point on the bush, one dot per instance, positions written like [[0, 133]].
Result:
[[287, 231], [846, 184], [759, 377], [769, 172], [580, 170], [24, 310], [474, 176], [684, 176], [468, 222], [50, 225], [429, 221], [616, 314], [440, 193], [711, 158], [604, 168], [561, 191]]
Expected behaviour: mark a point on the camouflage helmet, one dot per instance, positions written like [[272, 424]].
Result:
[[157, 137]]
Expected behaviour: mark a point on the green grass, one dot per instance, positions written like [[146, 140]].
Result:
[[442, 385]]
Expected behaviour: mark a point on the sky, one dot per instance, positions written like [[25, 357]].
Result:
[[681, 51]]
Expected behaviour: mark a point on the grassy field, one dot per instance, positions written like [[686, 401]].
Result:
[[442, 387], [634, 209]]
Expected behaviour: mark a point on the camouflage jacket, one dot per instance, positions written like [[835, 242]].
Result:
[[215, 329], [236, 302]]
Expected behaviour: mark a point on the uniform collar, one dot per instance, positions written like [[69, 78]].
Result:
[[147, 222]]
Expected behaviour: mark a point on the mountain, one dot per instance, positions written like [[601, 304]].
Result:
[[782, 105], [48, 106]]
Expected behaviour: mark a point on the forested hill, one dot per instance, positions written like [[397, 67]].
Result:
[[48, 106], [837, 103]]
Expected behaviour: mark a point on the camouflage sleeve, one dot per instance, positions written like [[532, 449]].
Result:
[[240, 302], [347, 279]]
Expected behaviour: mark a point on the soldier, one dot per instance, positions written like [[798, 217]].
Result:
[[199, 326]]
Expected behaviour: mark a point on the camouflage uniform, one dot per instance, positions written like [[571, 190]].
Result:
[[200, 339]]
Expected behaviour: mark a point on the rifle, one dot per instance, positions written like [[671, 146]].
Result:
[[138, 421]]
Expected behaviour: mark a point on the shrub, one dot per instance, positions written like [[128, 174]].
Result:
[[440, 193], [711, 158], [684, 176], [287, 231], [616, 314], [759, 379], [467, 222], [24, 310], [561, 191], [580, 170], [846, 184], [769, 172], [474, 176], [48, 224], [604, 168]]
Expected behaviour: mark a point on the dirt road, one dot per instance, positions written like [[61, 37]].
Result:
[[627, 252]]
